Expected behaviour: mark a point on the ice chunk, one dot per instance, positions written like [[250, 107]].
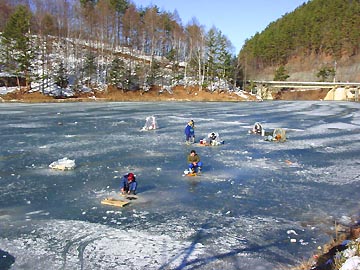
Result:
[[291, 232], [63, 164]]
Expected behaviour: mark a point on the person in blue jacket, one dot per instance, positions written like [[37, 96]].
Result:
[[128, 184], [190, 132]]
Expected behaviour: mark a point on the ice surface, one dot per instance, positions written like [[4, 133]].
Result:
[[257, 204]]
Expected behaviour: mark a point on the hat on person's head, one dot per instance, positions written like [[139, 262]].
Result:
[[131, 176]]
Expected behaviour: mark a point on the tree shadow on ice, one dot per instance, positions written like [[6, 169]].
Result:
[[187, 263], [6, 260]]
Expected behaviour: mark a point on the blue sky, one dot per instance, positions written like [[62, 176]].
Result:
[[237, 19]]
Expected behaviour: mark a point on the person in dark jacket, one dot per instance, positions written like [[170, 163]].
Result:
[[258, 129], [194, 162], [128, 184], [190, 132]]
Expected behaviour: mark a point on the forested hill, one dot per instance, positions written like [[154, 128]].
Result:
[[318, 33]]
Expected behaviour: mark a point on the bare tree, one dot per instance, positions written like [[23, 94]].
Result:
[[120, 7], [45, 28], [5, 10], [105, 13], [90, 18], [178, 38], [151, 22], [196, 39], [131, 26]]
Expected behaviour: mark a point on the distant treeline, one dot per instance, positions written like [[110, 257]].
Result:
[[109, 36], [320, 27]]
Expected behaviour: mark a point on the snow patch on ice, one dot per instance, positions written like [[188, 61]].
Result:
[[77, 244], [63, 164]]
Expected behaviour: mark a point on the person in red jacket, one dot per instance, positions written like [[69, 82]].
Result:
[[128, 184]]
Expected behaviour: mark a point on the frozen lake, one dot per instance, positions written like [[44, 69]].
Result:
[[258, 205]]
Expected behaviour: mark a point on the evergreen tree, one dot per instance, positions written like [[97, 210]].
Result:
[[225, 61], [171, 56], [281, 74], [211, 54], [120, 5], [89, 68], [233, 71], [88, 2], [60, 77], [219, 64], [325, 73], [18, 50], [117, 73], [154, 74]]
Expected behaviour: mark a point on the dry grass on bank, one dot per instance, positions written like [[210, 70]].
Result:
[[329, 250], [22, 96], [179, 94]]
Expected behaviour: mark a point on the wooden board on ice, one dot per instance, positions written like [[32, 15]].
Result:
[[114, 202]]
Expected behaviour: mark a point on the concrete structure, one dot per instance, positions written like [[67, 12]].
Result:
[[337, 90]]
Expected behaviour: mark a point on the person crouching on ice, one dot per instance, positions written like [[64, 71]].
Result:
[[258, 129], [128, 184], [190, 132], [213, 138], [194, 162]]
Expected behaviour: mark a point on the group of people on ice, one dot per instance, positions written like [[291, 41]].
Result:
[[193, 159], [213, 138], [128, 183], [276, 135]]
